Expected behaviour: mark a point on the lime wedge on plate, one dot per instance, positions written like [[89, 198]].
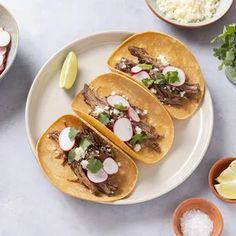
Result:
[[227, 190], [68, 71], [233, 165], [228, 175]]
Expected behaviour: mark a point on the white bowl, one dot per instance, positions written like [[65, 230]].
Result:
[[8, 22], [223, 8]]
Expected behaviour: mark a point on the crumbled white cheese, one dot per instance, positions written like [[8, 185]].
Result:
[[84, 164], [106, 108], [115, 112], [163, 60], [98, 110], [138, 130], [113, 93], [79, 153], [182, 93], [153, 90], [145, 112], [137, 147], [188, 11], [119, 164]]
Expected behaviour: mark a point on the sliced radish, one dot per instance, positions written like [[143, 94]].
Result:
[[181, 75], [64, 141], [136, 69], [133, 114], [98, 177], [110, 166], [3, 51], [123, 129], [1, 59], [5, 38], [117, 99], [141, 75]]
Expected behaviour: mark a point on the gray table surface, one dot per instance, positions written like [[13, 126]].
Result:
[[29, 205]]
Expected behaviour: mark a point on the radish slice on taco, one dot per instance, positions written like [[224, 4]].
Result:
[[165, 67], [81, 162], [126, 114]]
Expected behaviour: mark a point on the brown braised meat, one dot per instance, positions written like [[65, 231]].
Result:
[[125, 65]]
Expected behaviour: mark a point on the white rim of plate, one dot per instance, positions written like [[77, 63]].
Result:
[[119, 202]]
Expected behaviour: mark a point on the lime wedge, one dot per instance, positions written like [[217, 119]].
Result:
[[68, 71], [228, 175], [227, 190]]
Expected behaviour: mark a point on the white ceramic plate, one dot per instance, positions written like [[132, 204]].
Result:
[[46, 102], [8, 22], [223, 8]]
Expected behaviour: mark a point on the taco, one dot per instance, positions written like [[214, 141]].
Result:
[[81, 162], [126, 114], [165, 67]]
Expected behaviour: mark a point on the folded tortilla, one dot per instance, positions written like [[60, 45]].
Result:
[[176, 53], [59, 175]]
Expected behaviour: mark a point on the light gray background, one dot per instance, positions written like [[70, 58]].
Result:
[[29, 205]]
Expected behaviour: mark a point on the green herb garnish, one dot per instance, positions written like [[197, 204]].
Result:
[[104, 118], [172, 77], [72, 133], [137, 138], [94, 165], [145, 66], [160, 79], [71, 155], [120, 106], [227, 51], [147, 82], [85, 143]]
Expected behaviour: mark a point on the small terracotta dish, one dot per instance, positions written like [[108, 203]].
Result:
[[201, 204], [215, 171]]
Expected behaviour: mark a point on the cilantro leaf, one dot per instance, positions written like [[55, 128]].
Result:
[[172, 76], [147, 82], [71, 155], [94, 165], [145, 66], [85, 143], [160, 79], [226, 52], [137, 138], [120, 106], [104, 118], [72, 133]]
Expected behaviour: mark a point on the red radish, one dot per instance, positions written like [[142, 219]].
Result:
[[1, 59], [133, 114], [123, 129], [110, 166], [98, 177], [141, 75], [136, 69], [5, 38], [117, 99], [181, 75], [3, 51], [64, 141]]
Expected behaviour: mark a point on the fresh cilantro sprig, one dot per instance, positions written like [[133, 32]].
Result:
[[145, 66], [94, 165], [137, 138], [72, 133], [104, 118], [120, 106], [226, 52], [85, 143], [172, 77]]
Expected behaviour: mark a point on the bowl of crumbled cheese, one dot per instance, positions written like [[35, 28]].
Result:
[[191, 13], [197, 216]]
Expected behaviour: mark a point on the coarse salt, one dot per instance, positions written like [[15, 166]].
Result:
[[196, 223], [188, 11]]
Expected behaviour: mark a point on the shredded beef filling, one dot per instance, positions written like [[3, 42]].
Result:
[[151, 138], [166, 93], [99, 150]]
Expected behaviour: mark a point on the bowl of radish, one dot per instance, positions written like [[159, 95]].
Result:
[[9, 35]]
